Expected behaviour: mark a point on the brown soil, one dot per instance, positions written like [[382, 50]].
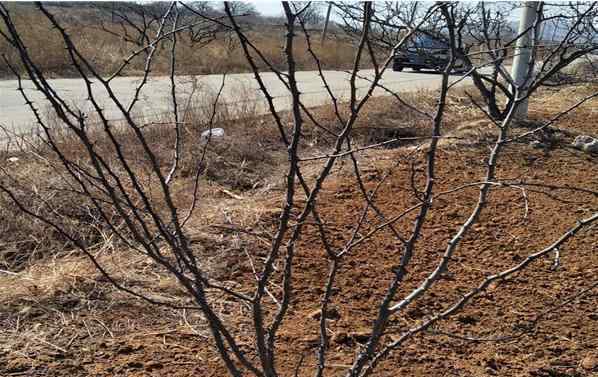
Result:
[[63, 319]]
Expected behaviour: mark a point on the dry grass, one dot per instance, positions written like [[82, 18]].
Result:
[[248, 161], [47, 48], [76, 303], [106, 52], [245, 159], [40, 188]]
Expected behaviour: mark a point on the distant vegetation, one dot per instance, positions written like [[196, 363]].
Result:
[[102, 31]]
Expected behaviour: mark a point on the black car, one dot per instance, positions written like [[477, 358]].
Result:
[[425, 52]]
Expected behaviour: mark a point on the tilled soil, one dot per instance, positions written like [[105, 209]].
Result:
[[533, 323]]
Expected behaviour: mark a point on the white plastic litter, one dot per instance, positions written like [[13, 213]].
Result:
[[586, 143], [591, 147], [215, 133]]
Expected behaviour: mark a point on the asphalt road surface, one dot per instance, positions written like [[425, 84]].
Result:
[[238, 89]]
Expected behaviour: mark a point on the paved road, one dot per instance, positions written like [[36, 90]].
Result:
[[238, 89]]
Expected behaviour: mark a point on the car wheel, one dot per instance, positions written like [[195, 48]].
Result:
[[462, 70], [461, 67], [416, 69], [397, 68], [465, 69]]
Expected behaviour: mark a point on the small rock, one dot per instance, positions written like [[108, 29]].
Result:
[[154, 365], [135, 365], [212, 133], [126, 349], [491, 367], [468, 319], [590, 362], [315, 314], [340, 337], [12, 159], [415, 313], [331, 313], [310, 341], [493, 286], [361, 336], [16, 367]]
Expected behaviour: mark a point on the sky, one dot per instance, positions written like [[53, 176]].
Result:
[[274, 8], [268, 8]]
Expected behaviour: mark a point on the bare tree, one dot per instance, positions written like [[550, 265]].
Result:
[[147, 219], [242, 8], [485, 41], [136, 23], [310, 12]]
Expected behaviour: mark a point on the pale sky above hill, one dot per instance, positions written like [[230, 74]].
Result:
[[273, 8], [268, 8]]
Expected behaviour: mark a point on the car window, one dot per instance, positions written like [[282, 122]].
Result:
[[423, 41], [427, 42]]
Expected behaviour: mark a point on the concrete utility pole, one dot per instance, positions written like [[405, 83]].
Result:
[[326, 22], [523, 51]]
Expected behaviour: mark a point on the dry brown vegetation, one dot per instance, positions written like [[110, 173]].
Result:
[[107, 51], [248, 160], [60, 317]]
